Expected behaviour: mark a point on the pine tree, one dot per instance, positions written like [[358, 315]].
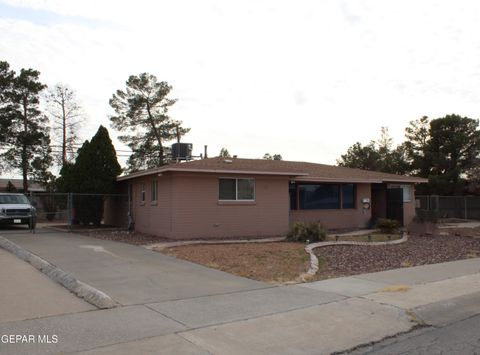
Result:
[[93, 174], [142, 111], [23, 127]]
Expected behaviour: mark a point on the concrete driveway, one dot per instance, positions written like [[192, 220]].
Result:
[[130, 274]]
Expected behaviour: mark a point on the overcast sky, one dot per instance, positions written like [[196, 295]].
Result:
[[305, 79]]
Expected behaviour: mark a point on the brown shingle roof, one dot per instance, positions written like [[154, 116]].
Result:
[[300, 171]]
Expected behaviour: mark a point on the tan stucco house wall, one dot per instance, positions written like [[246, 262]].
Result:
[[188, 204]]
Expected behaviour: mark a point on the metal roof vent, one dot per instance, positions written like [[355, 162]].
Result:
[[228, 161]]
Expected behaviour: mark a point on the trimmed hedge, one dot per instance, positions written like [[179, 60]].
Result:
[[302, 232], [387, 225]]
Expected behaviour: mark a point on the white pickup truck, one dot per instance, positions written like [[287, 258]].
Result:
[[16, 209]]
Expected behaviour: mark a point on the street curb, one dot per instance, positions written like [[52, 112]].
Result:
[[79, 288], [313, 269]]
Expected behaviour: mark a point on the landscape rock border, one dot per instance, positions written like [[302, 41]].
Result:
[[164, 245], [313, 269], [88, 293]]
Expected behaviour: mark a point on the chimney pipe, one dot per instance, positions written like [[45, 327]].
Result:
[[205, 152]]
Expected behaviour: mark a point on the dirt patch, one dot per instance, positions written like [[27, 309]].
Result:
[[134, 238], [276, 262], [335, 261]]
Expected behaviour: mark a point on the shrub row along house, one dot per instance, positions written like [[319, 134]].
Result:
[[221, 198]]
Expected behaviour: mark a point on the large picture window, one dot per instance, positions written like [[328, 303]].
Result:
[[236, 189], [322, 196], [317, 197]]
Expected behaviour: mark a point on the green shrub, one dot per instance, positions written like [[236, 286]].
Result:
[[387, 225], [301, 232]]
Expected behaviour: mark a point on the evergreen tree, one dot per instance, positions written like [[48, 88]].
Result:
[[10, 187], [453, 149], [24, 128], [224, 153], [93, 174], [361, 157], [141, 114], [417, 136]]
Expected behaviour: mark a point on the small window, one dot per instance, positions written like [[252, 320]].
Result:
[[236, 189], [154, 194], [142, 193], [407, 193]]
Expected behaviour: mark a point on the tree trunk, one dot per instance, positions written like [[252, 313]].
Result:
[[157, 134], [24, 148], [64, 128]]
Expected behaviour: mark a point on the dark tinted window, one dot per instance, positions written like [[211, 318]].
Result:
[[323, 196], [348, 196], [246, 189], [227, 189]]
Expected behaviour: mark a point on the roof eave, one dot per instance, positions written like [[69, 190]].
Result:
[[339, 180], [412, 180], [211, 171]]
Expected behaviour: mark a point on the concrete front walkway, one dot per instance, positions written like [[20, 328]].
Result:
[[171, 306]]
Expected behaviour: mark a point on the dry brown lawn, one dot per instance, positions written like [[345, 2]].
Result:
[[276, 262]]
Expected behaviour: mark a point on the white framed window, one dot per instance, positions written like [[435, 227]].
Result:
[[142, 192], [154, 190], [234, 189], [407, 191]]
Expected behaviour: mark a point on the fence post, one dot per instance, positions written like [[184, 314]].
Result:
[[69, 210], [32, 226], [465, 204]]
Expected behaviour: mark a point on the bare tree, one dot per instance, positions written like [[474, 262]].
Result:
[[67, 116]]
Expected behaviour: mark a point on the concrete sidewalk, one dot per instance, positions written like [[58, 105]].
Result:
[[175, 307]]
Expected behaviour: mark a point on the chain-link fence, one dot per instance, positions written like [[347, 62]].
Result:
[[462, 207], [67, 211]]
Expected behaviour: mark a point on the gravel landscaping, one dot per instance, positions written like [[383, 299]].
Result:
[[335, 261]]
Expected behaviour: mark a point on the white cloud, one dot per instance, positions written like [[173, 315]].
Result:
[[302, 79]]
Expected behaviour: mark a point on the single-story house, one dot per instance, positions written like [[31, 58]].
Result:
[[233, 197]]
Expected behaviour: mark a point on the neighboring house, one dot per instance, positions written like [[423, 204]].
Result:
[[18, 183], [220, 198]]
